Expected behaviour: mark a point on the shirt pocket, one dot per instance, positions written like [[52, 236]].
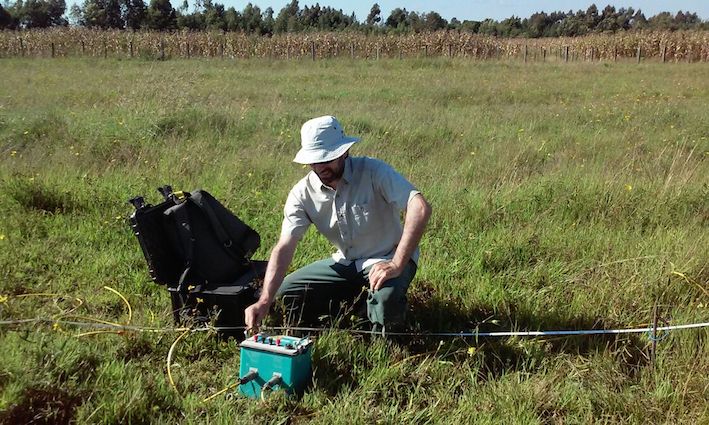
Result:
[[362, 215]]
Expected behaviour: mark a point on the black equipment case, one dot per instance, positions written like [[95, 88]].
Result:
[[201, 252]]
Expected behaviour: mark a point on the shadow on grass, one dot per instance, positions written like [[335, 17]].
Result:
[[432, 312], [46, 405], [340, 359]]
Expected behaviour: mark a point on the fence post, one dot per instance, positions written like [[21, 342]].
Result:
[[639, 53], [615, 53], [352, 50], [83, 48], [105, 49], [130, 48], [312, 49], [52, 49], [566, 53], [162, 49], [525, 53], [664, 51], [450, 50], [425, 51], [593, 54]]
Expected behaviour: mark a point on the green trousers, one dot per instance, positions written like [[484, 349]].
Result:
[[327, 289]]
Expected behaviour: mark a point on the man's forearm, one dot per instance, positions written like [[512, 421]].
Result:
[[278, 263], [417, 214]]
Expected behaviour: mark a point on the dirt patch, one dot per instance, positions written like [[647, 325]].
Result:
[[42, 406]]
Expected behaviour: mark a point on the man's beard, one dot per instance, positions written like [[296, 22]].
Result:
[[329, 175]]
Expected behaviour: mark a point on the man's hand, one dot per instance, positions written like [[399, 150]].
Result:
[[281, 256], [381, 272], [255, 313]]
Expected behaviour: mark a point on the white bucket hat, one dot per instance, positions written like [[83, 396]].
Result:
[[322, 139]]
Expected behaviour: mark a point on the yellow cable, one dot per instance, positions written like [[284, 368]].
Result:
[[230, 386], [169, 358], [76, 307], [130, 310], [688, 280], [98, 332], [118, 325]]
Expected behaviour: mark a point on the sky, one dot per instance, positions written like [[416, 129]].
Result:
[[480, 9]]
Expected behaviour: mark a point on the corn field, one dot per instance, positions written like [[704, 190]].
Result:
[[685, 46]]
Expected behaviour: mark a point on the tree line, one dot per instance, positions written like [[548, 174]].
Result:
[[205, 15]]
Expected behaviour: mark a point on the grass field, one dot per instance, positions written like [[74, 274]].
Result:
[[565, 196]]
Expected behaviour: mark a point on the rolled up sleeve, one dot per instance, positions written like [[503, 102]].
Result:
[[295, 219]]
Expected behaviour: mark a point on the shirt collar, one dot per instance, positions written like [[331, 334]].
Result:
[[347, 175]]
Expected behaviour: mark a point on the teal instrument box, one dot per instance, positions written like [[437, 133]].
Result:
[[274, 363]]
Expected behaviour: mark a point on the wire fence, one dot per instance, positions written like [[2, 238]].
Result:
[[679, 46]]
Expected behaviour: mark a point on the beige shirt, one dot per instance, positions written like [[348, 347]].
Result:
[[362, 218]]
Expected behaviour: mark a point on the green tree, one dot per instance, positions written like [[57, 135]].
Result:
[[114, 18], [161, 15], [488, 27], [134, 12], [470, 26], [433, 21], [537, 24], [608, 20], [639, 21], [268, 21], [232, 18], [397, 18], [252, 19], [624, 18], [100, 14], [39, 13], [662, 21], [687, 20], [288, 18], [6, 20], [374, 16], [213, 16], [592, 18], [510, 27]]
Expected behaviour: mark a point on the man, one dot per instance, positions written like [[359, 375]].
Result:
[[355, 202]]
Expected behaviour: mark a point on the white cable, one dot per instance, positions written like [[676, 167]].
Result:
[[449, 334]]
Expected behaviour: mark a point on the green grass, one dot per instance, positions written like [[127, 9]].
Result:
[[565, 197]]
